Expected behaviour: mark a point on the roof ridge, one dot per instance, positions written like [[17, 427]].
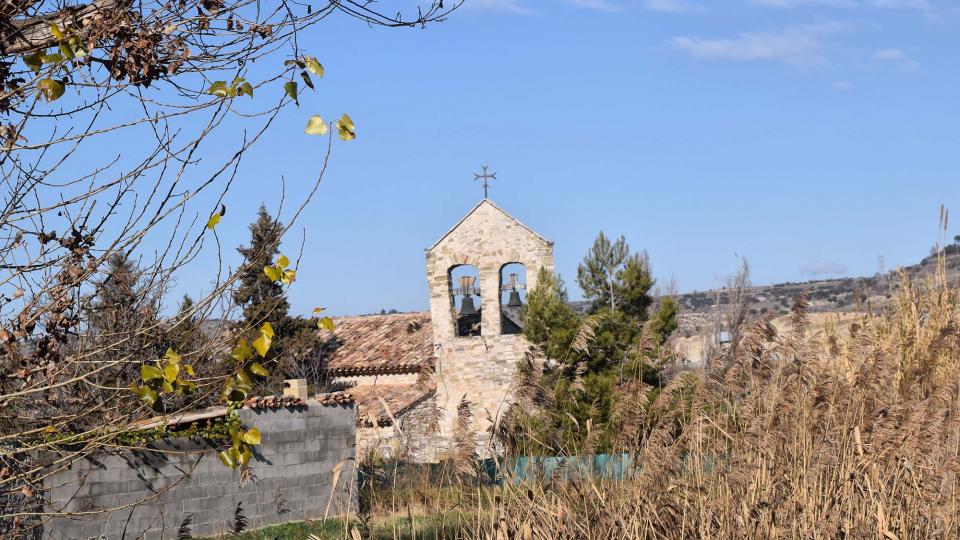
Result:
[[501, 210]]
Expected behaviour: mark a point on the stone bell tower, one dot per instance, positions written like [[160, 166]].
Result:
[[478, 347]]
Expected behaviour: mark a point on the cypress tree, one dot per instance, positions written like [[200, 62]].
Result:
[[261, 298]]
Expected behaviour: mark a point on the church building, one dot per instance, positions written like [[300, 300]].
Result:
[[409, 372]]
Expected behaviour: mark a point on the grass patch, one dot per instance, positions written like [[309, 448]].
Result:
[[425, 527]]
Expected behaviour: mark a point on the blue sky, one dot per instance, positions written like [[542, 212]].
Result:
[[811, 136]]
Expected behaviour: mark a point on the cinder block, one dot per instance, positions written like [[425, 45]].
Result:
[[282, 436]]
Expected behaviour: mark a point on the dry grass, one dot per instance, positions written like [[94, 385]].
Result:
[[849, 432]]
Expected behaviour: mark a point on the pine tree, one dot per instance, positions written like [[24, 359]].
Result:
[[632, 287], [665, 321], [262, 299], [123, 312], [121, 324], [548, 321], [617, 357], [185, 335], [597, 275], [116, 299]]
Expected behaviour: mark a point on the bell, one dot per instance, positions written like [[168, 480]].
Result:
[[467, 307], [514, 299]]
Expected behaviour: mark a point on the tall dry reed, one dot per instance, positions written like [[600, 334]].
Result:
[[842, 434]]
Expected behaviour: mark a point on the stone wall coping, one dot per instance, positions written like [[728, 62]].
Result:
[[256, 402]]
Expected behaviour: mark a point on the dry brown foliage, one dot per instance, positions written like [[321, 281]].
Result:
[[800, 437]]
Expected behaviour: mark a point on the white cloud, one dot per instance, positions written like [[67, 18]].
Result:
[[899, 4], [597, 5], [801, 3], [818, 267], [799, 45], [898, 58], [671, 6], [605, 6], [881, 4], [509, 6], [843, 86]]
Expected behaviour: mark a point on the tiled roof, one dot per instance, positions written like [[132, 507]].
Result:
[[277, 402], [380, 345], [399, 398]]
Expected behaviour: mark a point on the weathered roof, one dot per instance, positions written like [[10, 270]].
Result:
[[380, 345], [374, 400], [256, 402], [502, 211]]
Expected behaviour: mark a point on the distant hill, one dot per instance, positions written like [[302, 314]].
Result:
[[841, 295]]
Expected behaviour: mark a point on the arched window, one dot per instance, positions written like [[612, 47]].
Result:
[[465, 300], [513, 295]]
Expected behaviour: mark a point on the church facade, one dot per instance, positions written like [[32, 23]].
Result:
[[409, 373]]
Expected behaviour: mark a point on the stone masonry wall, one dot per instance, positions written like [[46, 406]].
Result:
[[416, 439], [482, 368], [148, 493]]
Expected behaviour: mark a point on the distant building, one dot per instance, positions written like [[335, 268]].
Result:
[[411, 371]]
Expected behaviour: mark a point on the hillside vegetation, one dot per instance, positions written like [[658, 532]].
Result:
[[827, 295]]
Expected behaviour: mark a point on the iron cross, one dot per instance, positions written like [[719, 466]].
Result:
[[485, 177]]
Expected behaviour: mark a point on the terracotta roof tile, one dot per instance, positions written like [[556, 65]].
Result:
[[370, 400], [380, 345]]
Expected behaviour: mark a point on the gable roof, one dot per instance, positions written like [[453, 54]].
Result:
[[501, 210], [380, 345], [398, 398]]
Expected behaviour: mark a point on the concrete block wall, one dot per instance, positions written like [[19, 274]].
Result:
[[148, 493]]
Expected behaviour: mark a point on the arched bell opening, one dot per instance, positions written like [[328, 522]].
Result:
[[513, 296], [465, 301]]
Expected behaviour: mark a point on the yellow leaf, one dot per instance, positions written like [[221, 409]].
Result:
[[313, 66], [67, 51], [257, 369], [77, 46], [172, 356], [262, 344], [220, 89], [318, 310], [272, 272], [49, 429], [316, 126], [148, 372], [345, 128], [290, 88], [242, 351], [148, 395], [244, 455], [50, 89], [289, 276], [283, 262], [212, 222], [34, 61], [252, 436], [55, 30], [170, 372], [326, 323], [227, 458], [267, 330]]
